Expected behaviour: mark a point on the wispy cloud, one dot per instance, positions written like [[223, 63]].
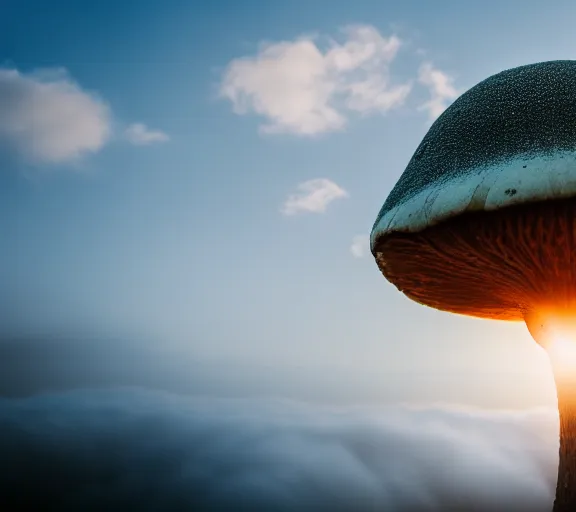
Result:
[[302, 88], [151, 451], [140, 135], [313, 196], [47, 117], [441, 87], [360, 246]]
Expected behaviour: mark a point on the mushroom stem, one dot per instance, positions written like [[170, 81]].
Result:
[[566, 485], [554, 328]]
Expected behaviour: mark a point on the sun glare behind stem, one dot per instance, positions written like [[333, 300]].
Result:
[[556, 333], [562, 352]]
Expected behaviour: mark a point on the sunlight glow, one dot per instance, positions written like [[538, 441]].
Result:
[[556, 333], [562, 352]]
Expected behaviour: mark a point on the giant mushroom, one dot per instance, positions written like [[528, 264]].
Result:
[[483, 220]]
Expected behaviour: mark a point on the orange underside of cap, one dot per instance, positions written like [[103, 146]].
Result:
[[499, 265]]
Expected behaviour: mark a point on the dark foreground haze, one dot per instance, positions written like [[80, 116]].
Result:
[[129, 449]]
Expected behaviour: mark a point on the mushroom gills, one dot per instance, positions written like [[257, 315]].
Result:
[[507, 264]]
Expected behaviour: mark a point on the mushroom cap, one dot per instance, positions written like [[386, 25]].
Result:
[[509, 140], [483, 220]]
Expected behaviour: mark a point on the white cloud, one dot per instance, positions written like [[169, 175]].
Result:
[[277, 456], [46, 117], [440, 85], [360, 246], [301, 88], [313, 196], [140, 135]]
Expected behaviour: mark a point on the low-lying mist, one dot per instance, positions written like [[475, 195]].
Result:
[[129, 449]]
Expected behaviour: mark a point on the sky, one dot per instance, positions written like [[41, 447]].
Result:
[[190, 315], [190, 187]]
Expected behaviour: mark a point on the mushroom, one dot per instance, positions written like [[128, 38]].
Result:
[[483, 220]]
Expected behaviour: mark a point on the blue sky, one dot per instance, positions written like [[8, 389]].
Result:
[[154, 156]]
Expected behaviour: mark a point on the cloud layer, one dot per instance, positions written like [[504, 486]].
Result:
[[47, 117], [441, 87], [130, 450], [302, 88], [313, 196], [360, 246], [140, 135]]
